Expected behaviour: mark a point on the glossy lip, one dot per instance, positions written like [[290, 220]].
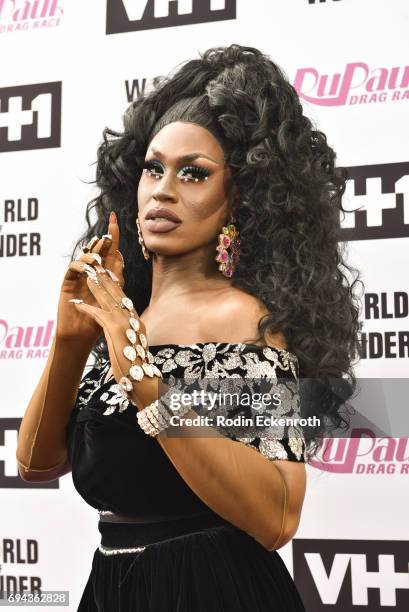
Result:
[[160, 225], [162, 212]]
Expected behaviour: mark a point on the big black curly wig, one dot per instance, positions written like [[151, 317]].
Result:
[[288, 212]]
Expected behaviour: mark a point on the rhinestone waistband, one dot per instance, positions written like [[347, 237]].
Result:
[[125, 536], [105, 550]]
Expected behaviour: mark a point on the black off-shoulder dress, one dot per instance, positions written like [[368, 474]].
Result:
[[168, 551]]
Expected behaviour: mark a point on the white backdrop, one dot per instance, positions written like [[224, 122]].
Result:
[[65, 72]]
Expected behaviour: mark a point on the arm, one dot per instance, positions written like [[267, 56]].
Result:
[[260, 496], [41, 447]]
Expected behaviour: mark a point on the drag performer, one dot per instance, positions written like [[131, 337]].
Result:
[[213, 256]]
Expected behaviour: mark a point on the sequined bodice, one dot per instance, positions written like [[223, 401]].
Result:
[[117, 467]]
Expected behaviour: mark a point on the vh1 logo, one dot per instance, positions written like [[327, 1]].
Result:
[[132, 15], [351, 575]]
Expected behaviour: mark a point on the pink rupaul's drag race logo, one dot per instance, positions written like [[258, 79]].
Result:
[[357, 84], [18, 15], [363, 453], [31, 342]]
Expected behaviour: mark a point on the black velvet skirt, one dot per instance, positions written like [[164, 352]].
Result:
[[192, 564]]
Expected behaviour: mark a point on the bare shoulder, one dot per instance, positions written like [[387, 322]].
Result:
[[234, 317]]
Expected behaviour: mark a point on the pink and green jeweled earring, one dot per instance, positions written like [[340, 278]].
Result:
[[228, 250]]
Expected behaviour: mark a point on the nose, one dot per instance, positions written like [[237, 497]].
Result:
[[163, 196], [164, 190]]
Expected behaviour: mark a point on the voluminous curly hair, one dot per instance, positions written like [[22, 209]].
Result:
[[287, 214]]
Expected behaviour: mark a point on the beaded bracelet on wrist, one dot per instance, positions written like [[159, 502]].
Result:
[[147, 416], [134, 350], [156, 416]]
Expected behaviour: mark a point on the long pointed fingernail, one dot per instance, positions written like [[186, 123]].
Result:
[[120, 257], [112, 217], [112, 275], [92, 242], [89, 270], [97, 257]]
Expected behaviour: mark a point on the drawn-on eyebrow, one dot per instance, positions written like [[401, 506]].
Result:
[[189, 157]]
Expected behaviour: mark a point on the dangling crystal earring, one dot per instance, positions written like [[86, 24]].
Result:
[[141, 242], [228, 249]]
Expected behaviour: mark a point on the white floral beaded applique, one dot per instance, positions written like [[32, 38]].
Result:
[[221, 360], [275, 449], [115, 397], [296, 445], [272, 449], [296, 441], [86, 389]]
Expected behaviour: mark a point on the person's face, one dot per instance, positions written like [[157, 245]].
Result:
[[202, 206]]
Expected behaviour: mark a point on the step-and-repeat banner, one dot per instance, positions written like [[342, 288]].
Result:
[[70, 68]]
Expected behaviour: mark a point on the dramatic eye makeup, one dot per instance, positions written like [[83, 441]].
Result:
[[189, 172]]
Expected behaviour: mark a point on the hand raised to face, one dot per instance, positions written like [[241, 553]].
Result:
[[72, 325], [132, 364]]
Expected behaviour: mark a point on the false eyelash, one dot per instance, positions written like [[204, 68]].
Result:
[[201, 172], [194, 170]]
